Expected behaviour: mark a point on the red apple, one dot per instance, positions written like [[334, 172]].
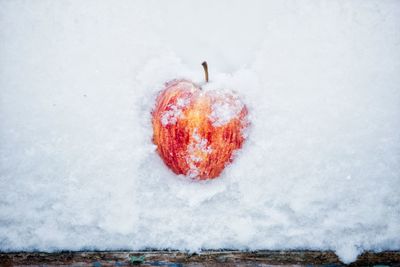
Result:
[[196, 131]]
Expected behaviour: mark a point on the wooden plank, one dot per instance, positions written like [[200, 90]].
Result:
[[203, 258]]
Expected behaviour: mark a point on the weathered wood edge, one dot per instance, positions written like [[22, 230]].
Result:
[[207, 257]]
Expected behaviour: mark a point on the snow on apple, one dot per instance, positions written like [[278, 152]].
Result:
[[197, 132]]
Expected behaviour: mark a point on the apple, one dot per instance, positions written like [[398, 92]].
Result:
[[197, 132]]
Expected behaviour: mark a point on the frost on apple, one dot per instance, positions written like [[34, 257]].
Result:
[[224, 108], [186, 85], [174, 112], [172, 115], [197, 151]]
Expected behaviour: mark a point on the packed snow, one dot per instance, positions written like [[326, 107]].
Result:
[[320, 168]]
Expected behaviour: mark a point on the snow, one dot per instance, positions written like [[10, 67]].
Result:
[[225, 107], [171, 116], [175, 112], [320, 168], [197, 148]]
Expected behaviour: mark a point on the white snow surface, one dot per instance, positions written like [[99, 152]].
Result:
[[321, 165]]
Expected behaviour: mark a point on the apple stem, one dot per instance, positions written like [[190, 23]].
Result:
[[205, 67]]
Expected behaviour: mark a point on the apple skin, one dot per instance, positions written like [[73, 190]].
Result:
[[191, 136]]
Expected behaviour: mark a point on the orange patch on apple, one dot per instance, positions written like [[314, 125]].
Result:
[[197, 132]]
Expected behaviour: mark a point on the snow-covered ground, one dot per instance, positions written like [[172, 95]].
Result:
[[321, 166]]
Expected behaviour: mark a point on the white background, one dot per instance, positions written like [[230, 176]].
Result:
[[321, 166]]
